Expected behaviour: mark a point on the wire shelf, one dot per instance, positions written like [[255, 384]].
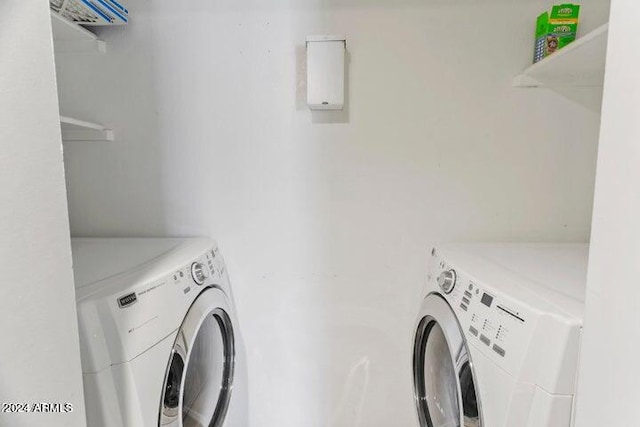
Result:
[[92, 12]]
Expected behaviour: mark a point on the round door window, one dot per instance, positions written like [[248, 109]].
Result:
[[436, 383], [199, 377], [208, 376], [443, 375]]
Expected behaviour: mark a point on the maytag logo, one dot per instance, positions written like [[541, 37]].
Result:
[[127, 300]]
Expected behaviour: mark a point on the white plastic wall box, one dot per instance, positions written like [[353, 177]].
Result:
[[325, 72]]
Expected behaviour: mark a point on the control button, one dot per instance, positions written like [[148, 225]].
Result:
[[447, 281], [464, 307], [485, 340], [466, 300], [470, 286], [468, 294], [199, 272], [181, 274], [473, 330], [499, 350]]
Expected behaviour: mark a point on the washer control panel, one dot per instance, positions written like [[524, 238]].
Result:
[[492, 322], [206, 270]]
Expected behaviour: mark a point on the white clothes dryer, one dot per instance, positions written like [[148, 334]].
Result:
[[159, 335], [498, 335]]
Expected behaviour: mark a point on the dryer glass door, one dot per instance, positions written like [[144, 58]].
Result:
[[206, 389], [443, 374], [199, 377]]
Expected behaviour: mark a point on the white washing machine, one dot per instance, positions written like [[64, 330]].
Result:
[[159, 336], [498, 335]]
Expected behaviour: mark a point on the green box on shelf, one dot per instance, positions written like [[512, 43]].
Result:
[[565, 12], [556, 30]]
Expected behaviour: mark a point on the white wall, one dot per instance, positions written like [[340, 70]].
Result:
[[40, 354], [608, 384], [326, 226]]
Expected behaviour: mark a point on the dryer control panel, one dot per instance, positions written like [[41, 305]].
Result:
[[491, 321], [206, 270]]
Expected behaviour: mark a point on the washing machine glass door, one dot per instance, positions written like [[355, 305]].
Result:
[[199, 376], [444, 382]]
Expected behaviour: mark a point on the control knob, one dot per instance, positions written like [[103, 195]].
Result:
[[199, 272], [447, 281]]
